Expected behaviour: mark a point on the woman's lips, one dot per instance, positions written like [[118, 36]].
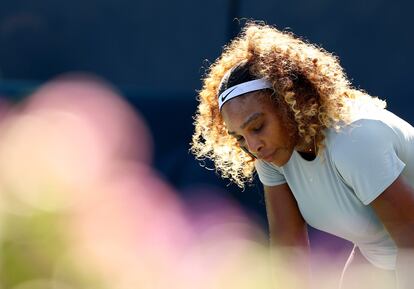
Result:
[[268, 158]]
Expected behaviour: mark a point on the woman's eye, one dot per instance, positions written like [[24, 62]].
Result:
[[258, 128]]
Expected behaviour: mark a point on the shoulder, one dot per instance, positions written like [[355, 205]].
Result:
[[269, 174], [360, 136], [365, 155], [372, 124], [363, 144]]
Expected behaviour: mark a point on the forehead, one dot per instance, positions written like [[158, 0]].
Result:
[[238, 109]]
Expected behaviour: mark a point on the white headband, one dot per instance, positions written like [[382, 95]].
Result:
[[243, 88]]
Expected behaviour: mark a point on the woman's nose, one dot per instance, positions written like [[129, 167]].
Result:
[[254, 145]]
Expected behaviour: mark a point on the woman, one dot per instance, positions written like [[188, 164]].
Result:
[[328, 155]]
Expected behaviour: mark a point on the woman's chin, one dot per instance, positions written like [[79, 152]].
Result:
[[281, 158]]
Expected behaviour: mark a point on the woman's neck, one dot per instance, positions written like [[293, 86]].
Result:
[[307, 148]]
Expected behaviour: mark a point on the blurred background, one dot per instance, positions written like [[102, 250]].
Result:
[[154, 54]]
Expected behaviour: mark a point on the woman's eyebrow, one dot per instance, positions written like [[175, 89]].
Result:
[[251, 118]]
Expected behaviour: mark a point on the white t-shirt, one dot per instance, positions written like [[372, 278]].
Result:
[[334, 190]]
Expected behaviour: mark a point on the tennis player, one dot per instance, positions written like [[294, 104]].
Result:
[[329, 155]]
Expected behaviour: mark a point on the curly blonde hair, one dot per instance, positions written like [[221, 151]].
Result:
[[308, 82]]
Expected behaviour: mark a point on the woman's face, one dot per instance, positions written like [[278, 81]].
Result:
[[254, 121]]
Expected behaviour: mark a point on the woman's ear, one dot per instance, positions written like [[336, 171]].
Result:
[[247, 152]]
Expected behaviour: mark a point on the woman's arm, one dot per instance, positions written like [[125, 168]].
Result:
[[288, 238], [395, 208]]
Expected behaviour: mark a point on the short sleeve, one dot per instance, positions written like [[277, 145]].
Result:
[[365, 157], [269, 174]]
